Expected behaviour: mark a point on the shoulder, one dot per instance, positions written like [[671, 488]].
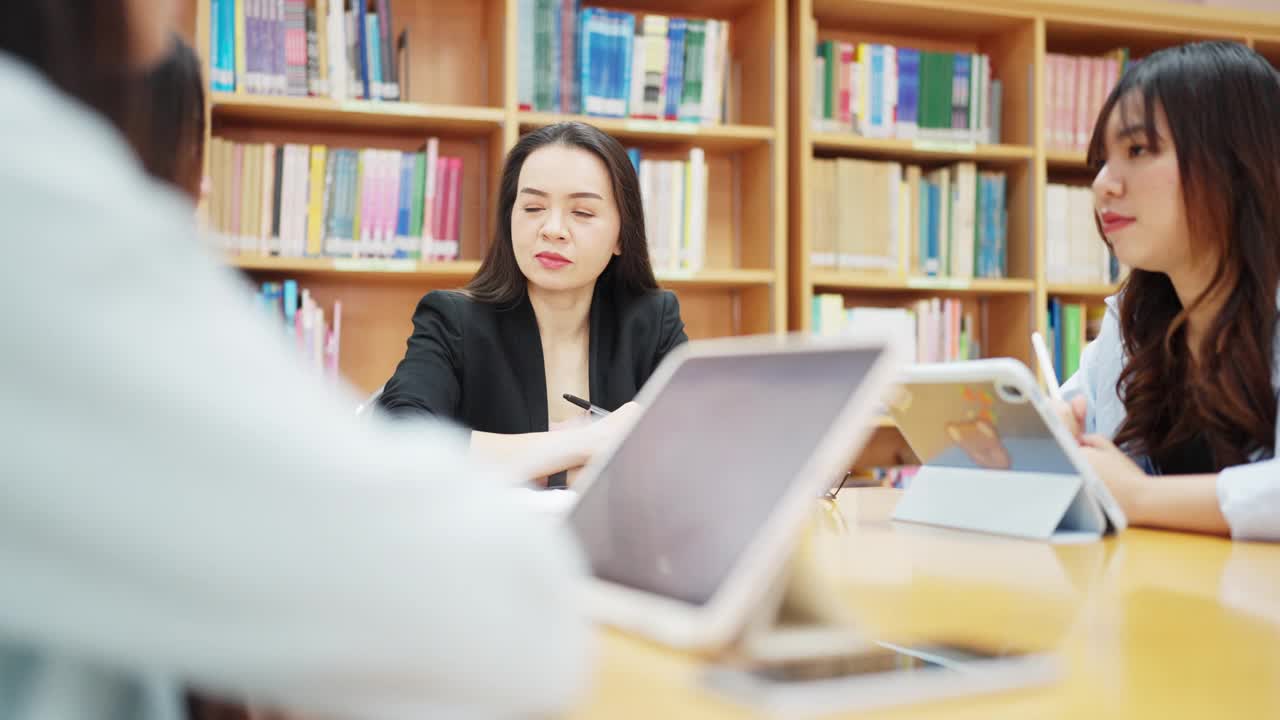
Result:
[[653, 304]]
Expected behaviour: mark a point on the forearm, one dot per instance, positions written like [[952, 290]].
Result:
[[1182, 502], [536, 454]]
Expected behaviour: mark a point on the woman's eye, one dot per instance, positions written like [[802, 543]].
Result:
[[584, 214], [532, 209], [1136, 150]]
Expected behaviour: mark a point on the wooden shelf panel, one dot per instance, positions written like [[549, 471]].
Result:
[[356, 114], [391, 270], [1065, 160], [709, 137], [846, 280], [708, 279], [917, 18], [383, 269], [919, 150], [1070, 290]]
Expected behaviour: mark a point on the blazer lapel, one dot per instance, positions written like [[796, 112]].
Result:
[[597, 345], [523, 345]]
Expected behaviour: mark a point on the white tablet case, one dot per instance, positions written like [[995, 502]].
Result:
[[1041, 506], [1051, 506]]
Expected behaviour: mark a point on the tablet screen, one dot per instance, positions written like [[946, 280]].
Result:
[[974, 425], [692, 485]]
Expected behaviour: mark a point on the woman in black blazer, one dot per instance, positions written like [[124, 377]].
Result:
[[565, 301]]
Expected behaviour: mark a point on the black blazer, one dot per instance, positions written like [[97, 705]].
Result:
[[481, 365]]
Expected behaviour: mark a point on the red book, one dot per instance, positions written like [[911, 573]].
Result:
[[454, 209]]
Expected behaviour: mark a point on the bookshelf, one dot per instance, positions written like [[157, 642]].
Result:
[[1017, 35], [463, 69]]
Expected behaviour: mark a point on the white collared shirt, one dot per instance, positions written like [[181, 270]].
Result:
[[179, 501], [1248, 494]]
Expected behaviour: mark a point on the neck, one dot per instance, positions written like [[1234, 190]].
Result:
[[1190, 285], [563, 315]]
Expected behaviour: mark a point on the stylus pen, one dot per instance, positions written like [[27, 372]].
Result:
[[593, 409], [1046, 366]]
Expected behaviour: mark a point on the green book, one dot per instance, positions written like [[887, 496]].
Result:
[[419, 187], [691, 94], [1072, 335]]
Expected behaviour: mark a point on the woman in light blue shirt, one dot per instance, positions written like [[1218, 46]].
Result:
[[1178, 392]]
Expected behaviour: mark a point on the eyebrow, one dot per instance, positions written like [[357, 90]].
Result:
[[541, 193], [1130, 131]]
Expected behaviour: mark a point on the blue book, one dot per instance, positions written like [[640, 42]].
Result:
[[933, 260], [1055, 334], [588, 48], [626, 46], [960, 91], [557, 51], [362, 49], [675, 67], [875, 95], [404, 206], [634, 154], [524, 54], [908, 87], [373, 55], [221, 40]]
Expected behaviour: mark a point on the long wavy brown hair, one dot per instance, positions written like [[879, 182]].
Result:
[[1222, 101]]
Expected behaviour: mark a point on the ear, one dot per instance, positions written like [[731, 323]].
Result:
[[617, 247]]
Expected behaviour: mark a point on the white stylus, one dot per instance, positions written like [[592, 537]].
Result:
[[1046, 366]]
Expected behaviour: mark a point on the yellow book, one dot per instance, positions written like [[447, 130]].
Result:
[[322, 45], [315, 208], [239, 45]]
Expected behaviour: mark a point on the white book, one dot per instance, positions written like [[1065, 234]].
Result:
[[336, 26], [428, 247], [638, 50], [697, 240], [711, 71]]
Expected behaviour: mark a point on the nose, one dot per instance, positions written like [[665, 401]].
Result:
[[1107, 186], [553, 227]]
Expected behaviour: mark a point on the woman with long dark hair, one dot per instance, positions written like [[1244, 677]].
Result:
[[182, 503], [564, 302], [1179, 391], [171, 134]]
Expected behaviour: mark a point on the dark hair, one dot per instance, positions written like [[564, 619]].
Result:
[[1222, 101], [499, 279], [171, 139], [82, 47]]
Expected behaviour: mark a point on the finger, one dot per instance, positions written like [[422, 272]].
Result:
[[1098, 442], [1080, 408]]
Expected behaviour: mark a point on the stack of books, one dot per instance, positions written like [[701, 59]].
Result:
[[303, 318], [883, 91], [950, 222], [320, 48], [611, 63], [936, 329], [675, 209], [1074, 250], [1075, 89], [313, 201]]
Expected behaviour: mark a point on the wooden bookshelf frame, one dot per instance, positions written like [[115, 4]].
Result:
[[463, 85], [1020, 32]]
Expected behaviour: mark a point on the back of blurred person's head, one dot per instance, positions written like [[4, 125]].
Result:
[[92, 50], [170, 134]]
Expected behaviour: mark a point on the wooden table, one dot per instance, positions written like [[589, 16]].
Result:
[[1149, 625]]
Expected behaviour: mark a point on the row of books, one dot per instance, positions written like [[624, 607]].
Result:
[[938, 329], [1074, 250], [1071, 327], [1075, 89], [611, 63], [870, 215], [882, 91], [674, 193], [318, 340], [326, 48], [312, 201]]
